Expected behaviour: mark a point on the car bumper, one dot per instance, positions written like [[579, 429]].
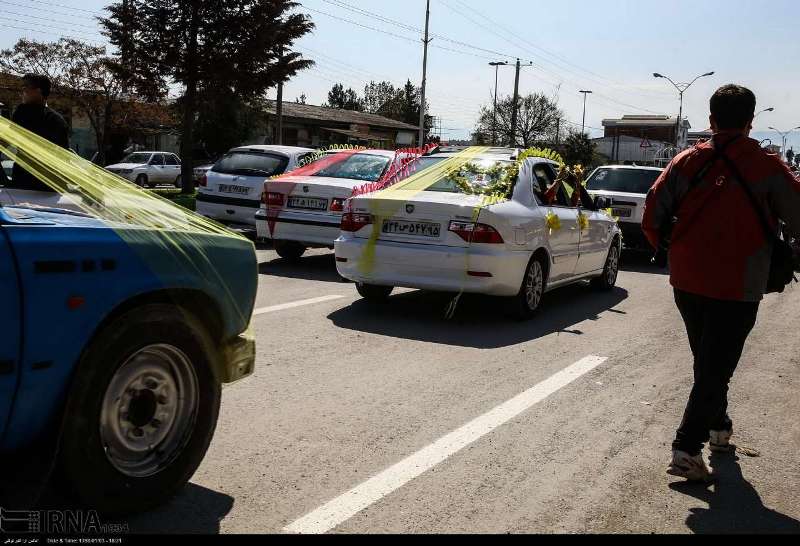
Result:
[[633, 237], [433, 267], [234, 212], [306, 228], [238, 358]]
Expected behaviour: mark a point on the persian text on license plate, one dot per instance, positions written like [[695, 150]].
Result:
[[622, 213], [227, 188], [422, 229], [309, 203]]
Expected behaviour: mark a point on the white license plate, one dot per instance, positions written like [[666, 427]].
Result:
[[622, 213], [308, 203], [240, 190], [421, 229]]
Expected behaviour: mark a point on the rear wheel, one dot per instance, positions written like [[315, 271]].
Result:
[[526, 303], [178, 182], [141, 180], [142, 412], [373, 292], [289, 250], [608, 279]]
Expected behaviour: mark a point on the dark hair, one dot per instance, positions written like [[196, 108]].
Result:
[[733, 106], [38, 81]]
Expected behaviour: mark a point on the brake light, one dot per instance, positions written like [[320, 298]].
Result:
[[352, 222], [273, 199], [337, 204], [204, 181], [476, 233]]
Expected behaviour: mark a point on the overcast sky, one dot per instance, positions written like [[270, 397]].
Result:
[[609, 47]]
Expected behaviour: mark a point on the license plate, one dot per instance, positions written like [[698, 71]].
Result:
[[622, 213], [240, 190], [420, 229], [308, 203]]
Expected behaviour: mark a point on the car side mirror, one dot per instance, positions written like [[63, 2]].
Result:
[[602, 202]]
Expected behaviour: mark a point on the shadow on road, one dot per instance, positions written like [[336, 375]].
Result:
[[317, 267], [480, 321], [639, 262], [734, 506]]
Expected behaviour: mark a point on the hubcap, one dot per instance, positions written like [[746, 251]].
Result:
[[613, 265], [534, 285], [149, 410]]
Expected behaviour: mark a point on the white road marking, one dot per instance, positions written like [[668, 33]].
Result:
[[301, 303], [347, 505]]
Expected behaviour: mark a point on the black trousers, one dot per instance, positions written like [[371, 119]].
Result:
[[717, 332]]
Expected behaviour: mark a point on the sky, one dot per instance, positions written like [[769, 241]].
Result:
[[611, 47]]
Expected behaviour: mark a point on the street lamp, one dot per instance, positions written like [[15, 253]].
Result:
[[583, 123], [784, 134], [682, 88], [764, 110], [496, 66]]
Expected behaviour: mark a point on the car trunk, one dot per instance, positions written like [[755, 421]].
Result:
[[628, 207], [417, 217], [310, 194]]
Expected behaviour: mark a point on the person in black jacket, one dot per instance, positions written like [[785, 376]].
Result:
[[34, 115]]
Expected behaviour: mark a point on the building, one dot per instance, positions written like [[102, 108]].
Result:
[[627, 149], [699, 136], [319, 126], [646, 129]]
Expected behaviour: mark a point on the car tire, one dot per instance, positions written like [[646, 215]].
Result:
[[151, 366], [289, 250], [179, 181], [608, 279], [374, 293], [141, 181], [527, 301]]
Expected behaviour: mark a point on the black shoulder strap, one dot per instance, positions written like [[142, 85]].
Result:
[[768, 230]]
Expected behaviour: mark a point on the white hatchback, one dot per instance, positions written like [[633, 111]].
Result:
[[518, 248], [230, 192], [149, 169], [303, 212]]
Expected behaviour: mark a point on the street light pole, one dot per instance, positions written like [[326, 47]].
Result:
[[426, 41], [583, 123], [515, 106], [784, 134], [682, 88], [762, 111], [496, 66]]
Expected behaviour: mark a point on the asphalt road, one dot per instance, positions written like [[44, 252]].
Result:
[[364, 419]]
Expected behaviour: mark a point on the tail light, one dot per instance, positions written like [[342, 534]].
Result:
[[204, 181], [352, 222], [476, 233], [337, 204], [272, 199]]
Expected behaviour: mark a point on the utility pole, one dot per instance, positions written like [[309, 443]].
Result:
[[425, 42], [558, 130], [583, 123], [515, 106], [496, 66], [279, 107]]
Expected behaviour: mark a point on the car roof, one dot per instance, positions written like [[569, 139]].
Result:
[[285, 150], [369, 151], [149, 152], [631, 167]]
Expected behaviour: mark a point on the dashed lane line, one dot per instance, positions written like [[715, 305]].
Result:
[[291, 305]]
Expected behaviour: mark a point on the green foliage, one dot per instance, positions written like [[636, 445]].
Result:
[[348, 99], [578, 149]]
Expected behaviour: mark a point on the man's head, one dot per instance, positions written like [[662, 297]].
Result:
[[35, 89], [732, 109]]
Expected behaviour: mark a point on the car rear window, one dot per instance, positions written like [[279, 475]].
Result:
[[623, 180], [251, 164], [477, 173], [364, 167]]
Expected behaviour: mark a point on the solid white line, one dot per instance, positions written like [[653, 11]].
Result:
[[345, 506], [293, 304]]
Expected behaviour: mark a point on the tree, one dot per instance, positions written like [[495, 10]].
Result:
[[578, 149], [538, 119], [79, 72], [343, 99], [301, 99], [241, 45]]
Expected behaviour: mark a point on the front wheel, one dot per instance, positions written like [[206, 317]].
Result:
[[374, 293], [142, 411], [608, 279], [289, 250], [526, 302], [141, 181], [179, 182]]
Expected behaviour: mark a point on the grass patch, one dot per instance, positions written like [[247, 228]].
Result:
[[185, 200]]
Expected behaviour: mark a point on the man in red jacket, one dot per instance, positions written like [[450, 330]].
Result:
[[719, 258]]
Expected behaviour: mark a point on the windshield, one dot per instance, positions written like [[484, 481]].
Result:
[[136, 158], [364, 167], [623, 180], [251, 164], [481, 171]]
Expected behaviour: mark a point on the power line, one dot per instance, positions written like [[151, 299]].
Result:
[[64, 6], [43, 25], [46, 33], [47, 19], [46, 10]]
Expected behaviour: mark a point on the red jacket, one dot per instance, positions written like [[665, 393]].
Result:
[[718, 247]]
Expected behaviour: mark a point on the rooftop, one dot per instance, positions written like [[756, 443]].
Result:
[[643, 121], [322, 113]]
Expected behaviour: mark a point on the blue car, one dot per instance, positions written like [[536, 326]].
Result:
[[114, 343]]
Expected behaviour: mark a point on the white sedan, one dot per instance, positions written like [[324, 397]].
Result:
[[442, 239], [301, 212], [148, 169], [230, 192]]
